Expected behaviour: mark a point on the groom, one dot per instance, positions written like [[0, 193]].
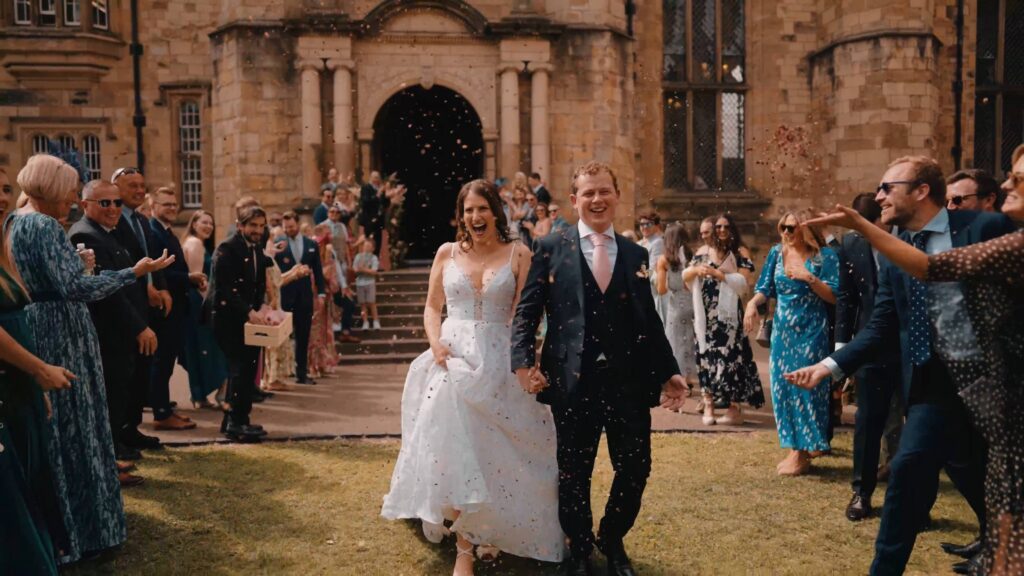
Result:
[[604, 364]]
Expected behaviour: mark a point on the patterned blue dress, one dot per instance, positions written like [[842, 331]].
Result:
[[800, 337], [81, 447]]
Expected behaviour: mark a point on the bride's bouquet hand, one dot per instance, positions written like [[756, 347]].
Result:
[[441, 354]]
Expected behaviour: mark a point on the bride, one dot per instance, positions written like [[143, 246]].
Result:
[[477, 450]]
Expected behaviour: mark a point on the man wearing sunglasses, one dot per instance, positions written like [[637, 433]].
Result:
[[121, 319], [937, 434], [973, 190]]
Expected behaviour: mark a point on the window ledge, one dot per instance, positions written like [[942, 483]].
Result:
[[72, 59]]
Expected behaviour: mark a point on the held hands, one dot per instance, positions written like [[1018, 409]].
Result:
[[532, 380], [674, 393], [808, 377], [148, 265], [147, 342]]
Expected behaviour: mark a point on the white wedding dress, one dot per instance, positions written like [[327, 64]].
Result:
[[472, 440]]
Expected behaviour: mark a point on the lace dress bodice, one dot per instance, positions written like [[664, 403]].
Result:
[[492, 303]]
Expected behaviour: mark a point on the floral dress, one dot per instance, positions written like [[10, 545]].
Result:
[[726, 367], [800, 337], [81, 447]]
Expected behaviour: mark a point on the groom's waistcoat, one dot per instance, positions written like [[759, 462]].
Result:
[[608, 325]]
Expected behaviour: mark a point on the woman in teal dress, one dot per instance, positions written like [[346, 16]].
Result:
[[203, 359], [81, 447], [802, 276], [31, 527]]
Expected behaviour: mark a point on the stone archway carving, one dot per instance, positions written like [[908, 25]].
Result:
[[475, 21]]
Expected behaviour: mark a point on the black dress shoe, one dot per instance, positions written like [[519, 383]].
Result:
[[132, 438], [968, 566], [620, 566], [243, 433], [858, 509], [578, 567], [125, 453], [965, 551]]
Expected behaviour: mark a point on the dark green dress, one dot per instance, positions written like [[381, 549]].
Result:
[[29, 510]]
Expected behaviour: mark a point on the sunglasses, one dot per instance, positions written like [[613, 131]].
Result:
[[721, 226], [124, 172], [958, 200], [787, 228], [107, 203], [646, 224], [887, 187]]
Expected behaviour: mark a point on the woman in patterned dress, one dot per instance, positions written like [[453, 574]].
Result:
[[81, 450], [717, 279], [985, 357], [802, 276], [323, 356]]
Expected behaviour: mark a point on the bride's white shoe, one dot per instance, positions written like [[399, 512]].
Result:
[[487, 553]]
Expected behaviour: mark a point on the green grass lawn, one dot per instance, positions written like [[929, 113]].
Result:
[[713, 506]]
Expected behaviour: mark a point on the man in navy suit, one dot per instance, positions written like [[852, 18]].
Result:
[[297, 297], [937, 433], [604, 364], [170, 329], [876, 380]]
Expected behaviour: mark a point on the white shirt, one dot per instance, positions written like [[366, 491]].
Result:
[[587, 245], [295, 244]]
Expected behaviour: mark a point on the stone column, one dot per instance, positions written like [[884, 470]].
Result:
[[312, 130], [344, 140], [540, 140], [509, 155]]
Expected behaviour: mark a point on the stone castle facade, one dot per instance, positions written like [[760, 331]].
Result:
[[756, 106]]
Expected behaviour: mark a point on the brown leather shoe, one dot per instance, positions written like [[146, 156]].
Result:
[[173, 422], [124, 467], [127, 480], [349, 338]]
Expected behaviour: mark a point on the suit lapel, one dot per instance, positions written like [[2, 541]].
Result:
[[572, 253], [959, 229]]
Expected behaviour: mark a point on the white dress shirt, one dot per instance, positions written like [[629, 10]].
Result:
[[587, 245]]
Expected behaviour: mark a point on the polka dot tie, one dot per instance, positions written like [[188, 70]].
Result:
[[920, 334]]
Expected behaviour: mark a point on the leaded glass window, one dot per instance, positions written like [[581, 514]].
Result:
[[999, 92]]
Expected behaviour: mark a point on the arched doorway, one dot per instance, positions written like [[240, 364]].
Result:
[[433, 139]]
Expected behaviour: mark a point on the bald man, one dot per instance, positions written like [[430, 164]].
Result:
[[121, 319]]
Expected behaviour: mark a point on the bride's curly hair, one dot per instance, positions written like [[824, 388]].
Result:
[[489, 192]]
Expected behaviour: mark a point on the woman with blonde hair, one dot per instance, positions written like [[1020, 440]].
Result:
[[802, 275], [81, 449], [201, 356]]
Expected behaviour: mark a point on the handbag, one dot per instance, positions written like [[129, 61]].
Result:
[[764, 333]]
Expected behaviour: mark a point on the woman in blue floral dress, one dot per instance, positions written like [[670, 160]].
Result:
[[802, 276], [81, 450]]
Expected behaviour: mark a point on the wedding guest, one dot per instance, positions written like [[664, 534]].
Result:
[[278, 362], [238, 289], [326, 199], [558, 222], [725, 362], [536, 184], [543, 226], [30, 518], [298, 297], [274, 219], [81, 449], [332, 181], [984, 354], [518, 211], [201, 356], [652, 240], [373, 205], [678, 300], [802, 275], [339, 233], [937, 433], [6, 194], [122, 318], [366, 267], [973, 189], [346, 200], [707, 229], [876, 381], [135, 235], [323, 356]]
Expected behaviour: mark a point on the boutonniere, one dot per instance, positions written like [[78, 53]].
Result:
[[643, 272]]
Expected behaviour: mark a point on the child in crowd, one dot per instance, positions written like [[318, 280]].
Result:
[[365, 266]]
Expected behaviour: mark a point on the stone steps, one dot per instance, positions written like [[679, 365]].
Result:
[[401, 296]]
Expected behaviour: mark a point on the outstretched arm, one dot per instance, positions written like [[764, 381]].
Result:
[[900, 253]]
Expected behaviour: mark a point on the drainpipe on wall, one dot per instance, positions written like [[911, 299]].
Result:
[[139, 119], [630, 13], [958, 87]]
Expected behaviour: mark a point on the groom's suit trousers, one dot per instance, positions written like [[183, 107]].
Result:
[[602, 407]]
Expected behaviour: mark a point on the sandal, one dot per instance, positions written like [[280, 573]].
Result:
[[487, 553], [463, 552]]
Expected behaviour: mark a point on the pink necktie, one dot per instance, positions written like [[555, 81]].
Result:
[[602, 267]]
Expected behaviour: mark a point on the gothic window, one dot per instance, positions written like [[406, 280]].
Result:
[[91, 156], [704, 93], [190, 153], [999, 91]]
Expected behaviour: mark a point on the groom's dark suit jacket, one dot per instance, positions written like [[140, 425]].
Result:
[[555, 286]]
